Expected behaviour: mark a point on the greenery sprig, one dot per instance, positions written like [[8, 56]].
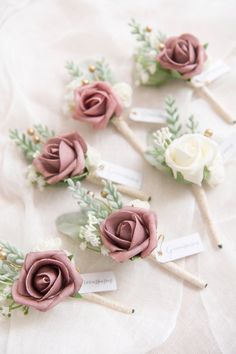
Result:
[[10, 265], [172, 117], [25, 143]]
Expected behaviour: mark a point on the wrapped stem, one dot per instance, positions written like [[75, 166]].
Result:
[[213, 101], [128, 134], [101, 300], [179, 272], [201, 198], [131, 192]]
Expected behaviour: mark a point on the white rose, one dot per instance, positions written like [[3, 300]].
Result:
[[190, 154], [124, 91], [139, 204], [217, 171]]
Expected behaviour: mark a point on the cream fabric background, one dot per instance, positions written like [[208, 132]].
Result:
[[36, 38]]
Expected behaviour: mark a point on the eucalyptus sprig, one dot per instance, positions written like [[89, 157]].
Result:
[[44, 132], [73, 70], [103, 71], [10, 266], [172, 117], [87, 200], [26, 144], [192, 125], [112, 195]]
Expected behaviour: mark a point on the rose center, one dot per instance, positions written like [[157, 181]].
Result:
[[45, 278], [125, 230]]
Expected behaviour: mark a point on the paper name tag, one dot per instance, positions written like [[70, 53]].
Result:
[[180, 248], [120, 174], [148, 115], [216, 70], [98, 282], [228, 148]]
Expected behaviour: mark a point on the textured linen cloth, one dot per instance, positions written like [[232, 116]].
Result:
[[37, 37]]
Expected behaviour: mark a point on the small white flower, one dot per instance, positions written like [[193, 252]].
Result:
[[48, 245], [68, 104], [104, 251], [31, 174], [40, 182], [5, 310], [125, 92], [144, 77], [152, 68], [139, 204], [83, 245], [93, 159]]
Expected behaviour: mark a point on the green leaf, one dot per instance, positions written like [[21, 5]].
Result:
[[78, 296], [71, 257], [69, 224], [206, 173], [205, 46], [44, 132], [175, 74]]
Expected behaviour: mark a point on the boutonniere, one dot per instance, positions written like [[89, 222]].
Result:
[[159, 58], [52, 159], [188, 157], [93, 97], [41, 280], [123, 232]]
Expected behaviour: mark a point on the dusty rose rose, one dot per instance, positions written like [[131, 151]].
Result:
[[62, 157], [45, 280], [129, 232], [96, 103], [184, 54]]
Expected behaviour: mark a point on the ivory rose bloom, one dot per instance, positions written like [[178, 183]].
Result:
[[62, 157], [184, 54], [45, 280], [129, 232], [189, 154], [96, 103]]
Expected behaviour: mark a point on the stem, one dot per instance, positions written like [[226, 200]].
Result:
[[128, 134], [181, 273], [201, 198], [213, 101]]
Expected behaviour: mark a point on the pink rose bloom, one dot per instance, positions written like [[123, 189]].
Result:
[[129, 232], [46, 279], [184, 54], [96, 103], [62, 157]]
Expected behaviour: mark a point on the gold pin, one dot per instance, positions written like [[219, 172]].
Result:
[[92, 68], [149, 29], [30, 131], [161, 46], [208, 133], [36, 139], [85, 82], [3, 255], [104, 194]]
